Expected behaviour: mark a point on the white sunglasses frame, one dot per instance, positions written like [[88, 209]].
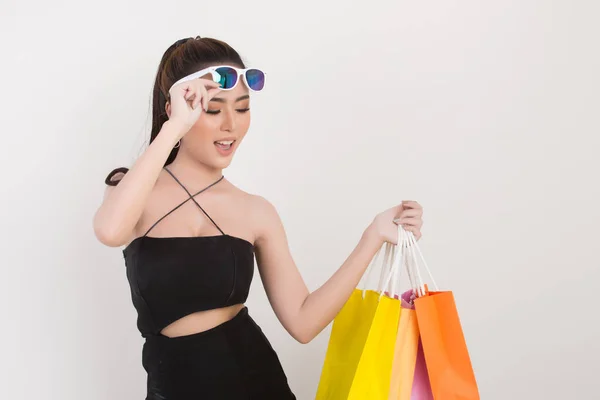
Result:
[[240, 71]]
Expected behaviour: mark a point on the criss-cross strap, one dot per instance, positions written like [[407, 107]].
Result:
[[191, 197]]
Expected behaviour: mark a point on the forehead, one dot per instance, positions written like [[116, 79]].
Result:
[[232, 95]]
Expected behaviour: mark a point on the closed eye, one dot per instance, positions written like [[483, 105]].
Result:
[[240, 110]]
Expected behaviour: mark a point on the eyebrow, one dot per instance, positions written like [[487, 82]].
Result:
[[220, 100]]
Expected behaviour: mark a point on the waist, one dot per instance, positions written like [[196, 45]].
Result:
[[238, 320], [201, 321]]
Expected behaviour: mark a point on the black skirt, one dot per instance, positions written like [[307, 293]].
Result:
[[232, 361]]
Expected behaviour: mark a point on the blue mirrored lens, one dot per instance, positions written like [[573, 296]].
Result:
[[227, 77], [255, 78]]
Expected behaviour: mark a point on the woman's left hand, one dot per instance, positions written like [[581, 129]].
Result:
[[385, 225], [411, 217]]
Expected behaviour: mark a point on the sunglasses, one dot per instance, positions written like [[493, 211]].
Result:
[[228, 77]]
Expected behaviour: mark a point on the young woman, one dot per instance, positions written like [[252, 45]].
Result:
[[192, 237]]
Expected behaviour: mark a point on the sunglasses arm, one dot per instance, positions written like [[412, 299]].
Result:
[[198, 74]]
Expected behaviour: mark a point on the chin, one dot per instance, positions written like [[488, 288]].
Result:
[[221, 164]]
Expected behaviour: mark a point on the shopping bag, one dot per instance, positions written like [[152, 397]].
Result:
[[409, 380], [421, 388], [376, 369], [346, 341], [406, 379], [359, 355], [372, 378], [448, 363], [405, 355], [446, 356]]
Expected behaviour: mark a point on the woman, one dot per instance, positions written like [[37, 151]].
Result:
[[190, 279]]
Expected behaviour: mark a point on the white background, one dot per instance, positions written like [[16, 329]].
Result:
[[484, 112]]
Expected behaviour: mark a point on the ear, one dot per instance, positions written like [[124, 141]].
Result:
[[168, 109]]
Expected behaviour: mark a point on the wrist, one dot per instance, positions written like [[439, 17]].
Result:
[[174, 130], [371, 237]]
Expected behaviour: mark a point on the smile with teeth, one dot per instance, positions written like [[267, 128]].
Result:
[[224, 144]]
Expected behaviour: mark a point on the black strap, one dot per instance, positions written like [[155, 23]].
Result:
[[188, 199]]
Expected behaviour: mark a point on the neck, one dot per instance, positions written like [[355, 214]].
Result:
[[193, 172]]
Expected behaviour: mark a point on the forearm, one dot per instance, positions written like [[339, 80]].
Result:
[[322, 305], [117, 216]]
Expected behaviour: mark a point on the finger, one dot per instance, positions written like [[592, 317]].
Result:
[[409, 221], [180, 89], [411, 213], [186, 88], [189, 93], [204, 98], [415, 231], [212, 92], [192, 100], [411, 204], [209, 82], [198, 98]]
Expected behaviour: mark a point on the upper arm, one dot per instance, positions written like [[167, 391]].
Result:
[[111, 181], [115, 176], [283, 283]]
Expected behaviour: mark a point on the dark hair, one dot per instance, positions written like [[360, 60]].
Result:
[[182, 58]]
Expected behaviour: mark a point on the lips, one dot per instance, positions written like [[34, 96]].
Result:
[[225, 146]]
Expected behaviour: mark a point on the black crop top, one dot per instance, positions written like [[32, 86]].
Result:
[[171, 277]]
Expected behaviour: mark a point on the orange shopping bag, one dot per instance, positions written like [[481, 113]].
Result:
[[450, 371], [449, 366]]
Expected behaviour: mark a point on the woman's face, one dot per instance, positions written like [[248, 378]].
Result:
[[215, 137]]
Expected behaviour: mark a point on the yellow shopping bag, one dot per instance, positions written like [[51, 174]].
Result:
[[348, 336], [358, 362], [359, 356], [372, 378]]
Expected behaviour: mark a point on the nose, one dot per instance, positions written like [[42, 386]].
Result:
[[228, 123]]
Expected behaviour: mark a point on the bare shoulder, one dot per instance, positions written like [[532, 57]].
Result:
[[260, 206], [264, 216]]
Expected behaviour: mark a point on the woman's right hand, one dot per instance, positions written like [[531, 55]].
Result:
[[188, 99]]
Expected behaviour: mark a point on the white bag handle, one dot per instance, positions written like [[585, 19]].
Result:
[[393, 275], [409, 266], [418, 285], [406, 256], [386, 256], [365, 278], [395, 257]]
